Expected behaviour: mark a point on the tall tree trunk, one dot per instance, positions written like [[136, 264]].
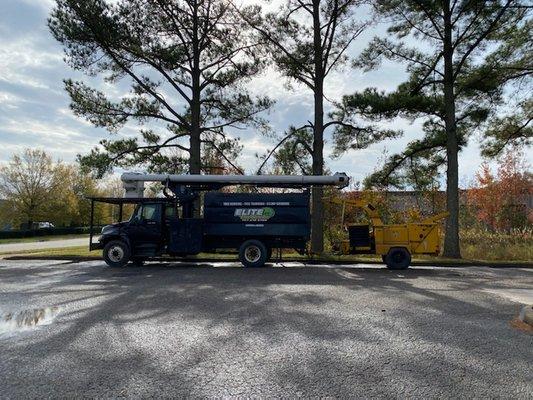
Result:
[[30, 215], [195, 162], [317, 217], [194, 141], [451, 237]]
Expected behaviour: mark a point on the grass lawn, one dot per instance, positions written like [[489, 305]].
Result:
[[42, 238], [73, 252]]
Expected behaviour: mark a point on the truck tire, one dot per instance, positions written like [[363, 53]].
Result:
[[398, 258], [116, 253], [253, 253]]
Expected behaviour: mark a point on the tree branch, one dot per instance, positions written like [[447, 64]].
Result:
[[343, 50], [413, 26], [279, 144], [430, 17], [273, 41], [481, 38], [143, 85], [212, 143]]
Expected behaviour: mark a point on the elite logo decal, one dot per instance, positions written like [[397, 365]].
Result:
[[254, 214]]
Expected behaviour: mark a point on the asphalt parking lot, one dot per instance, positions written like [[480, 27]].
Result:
[[218, 330]]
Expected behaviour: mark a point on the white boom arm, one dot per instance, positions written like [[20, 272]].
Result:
[[134, 182]]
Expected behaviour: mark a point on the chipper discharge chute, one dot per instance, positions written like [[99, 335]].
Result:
[[394, 242]]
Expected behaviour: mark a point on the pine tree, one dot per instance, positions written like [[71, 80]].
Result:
[[460, 54], [185, 62]]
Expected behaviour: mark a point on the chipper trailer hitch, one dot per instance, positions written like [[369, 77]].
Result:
[[394, 242], [253, 223]]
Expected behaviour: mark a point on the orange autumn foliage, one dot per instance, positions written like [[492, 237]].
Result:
[[498, 200]]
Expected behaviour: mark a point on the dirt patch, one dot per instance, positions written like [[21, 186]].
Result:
[[521, 326]]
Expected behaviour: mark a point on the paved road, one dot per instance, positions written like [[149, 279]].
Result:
[[212, 331], [49, 244]]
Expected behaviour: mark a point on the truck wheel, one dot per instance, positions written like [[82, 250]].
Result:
[[116, 253], [398, 258], [253, 253]]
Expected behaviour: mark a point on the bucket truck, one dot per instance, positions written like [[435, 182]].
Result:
[[253, 223]]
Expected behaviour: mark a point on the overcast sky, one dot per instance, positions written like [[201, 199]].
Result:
[[34, 108]]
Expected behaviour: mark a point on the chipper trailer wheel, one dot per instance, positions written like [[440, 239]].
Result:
[[253, 253], [398, 258], [116, 253]]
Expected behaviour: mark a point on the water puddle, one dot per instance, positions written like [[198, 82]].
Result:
[[24, 320]]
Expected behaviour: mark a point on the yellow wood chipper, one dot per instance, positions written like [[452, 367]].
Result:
[[394, 242]]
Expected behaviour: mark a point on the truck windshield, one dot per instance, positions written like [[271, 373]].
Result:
[[146, 212], [150, 211]]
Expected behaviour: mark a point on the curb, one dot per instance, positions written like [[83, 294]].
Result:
[[415, 263], [526, 315]]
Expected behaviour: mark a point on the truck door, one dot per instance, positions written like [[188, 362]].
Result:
[[145, 229]]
